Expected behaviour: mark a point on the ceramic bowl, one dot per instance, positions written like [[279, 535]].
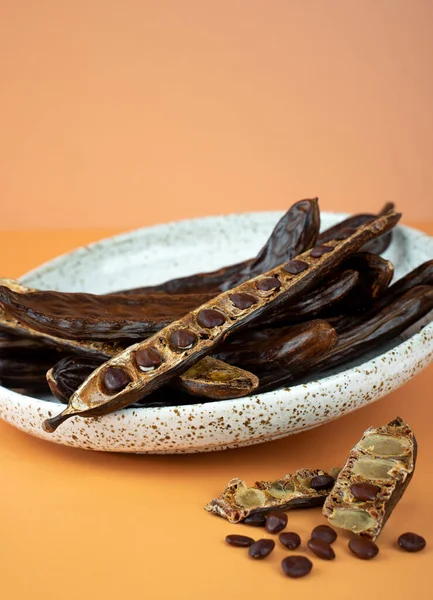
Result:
[[155, 254]]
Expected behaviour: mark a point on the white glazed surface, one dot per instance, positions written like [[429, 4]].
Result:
[[152, 255]]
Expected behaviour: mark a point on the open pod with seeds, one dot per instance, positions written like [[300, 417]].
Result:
[[374, 478], [238, 501]]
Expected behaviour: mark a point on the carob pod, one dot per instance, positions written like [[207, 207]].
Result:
[[385, 458], [376, 329], [13, 346], [329, 296], [376, 273], [209, 378], [294, 233], [343, 228], [10, 325], [268, 350], [239, 501], [24, 375], [79, 316], [120, 381]]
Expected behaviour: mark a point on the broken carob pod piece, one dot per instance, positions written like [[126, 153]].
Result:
[[385, 457], [209, 378], [286, 348], [105, 350], [330, 296], [120, 382], [344, 228], [79, 316], [370, 333], [294, 233], [239, 501], [376, 273], [213, 378]]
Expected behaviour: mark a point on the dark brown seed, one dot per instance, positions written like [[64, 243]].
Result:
[[364, 491], [210, 318], [411, 542], [256, 520], [290, 539], [322, 482], [321, 549], [319, 251], [240, 541], [325, 533], [269, 283], [296, 566], [363, 548], [114, 380], [294, 267], [182, 339], [243, 301], [276, 521], [147, 359], [261, 548], [344, 233]]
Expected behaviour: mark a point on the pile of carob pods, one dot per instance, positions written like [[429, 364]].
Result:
[[307, 302], [359, 498]]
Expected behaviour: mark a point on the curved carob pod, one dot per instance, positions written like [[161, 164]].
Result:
[[286, 348], [422, 275], [343, 228], [209, 378], [239, 501], [375, 329], [376, 475], [10, 325], [145, 367], [294, 233], [79, 316]]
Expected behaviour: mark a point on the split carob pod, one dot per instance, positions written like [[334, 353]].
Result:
[[238, 501], [209, 378], [376, 474], [286, 348], [10, 325], [377, 246], [128, 377], [80, 316], [375, 329], [294, 233]]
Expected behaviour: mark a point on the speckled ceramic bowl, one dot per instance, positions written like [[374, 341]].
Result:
[[155, 254]]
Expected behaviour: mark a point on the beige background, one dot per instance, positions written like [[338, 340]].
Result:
[[127, 113]]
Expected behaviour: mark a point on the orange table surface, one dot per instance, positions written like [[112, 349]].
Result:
[[77, 524]]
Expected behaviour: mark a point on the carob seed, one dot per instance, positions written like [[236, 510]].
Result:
[[243, 301], [276, 521], [364, 491], [210, 318], [114, 380], [363, 548], [321, 549], [322, 482], [296, 566], [290, 539], [239, 541], [269, 283], [411, 542], [325, 533], [294, 267], [319, 251], [261, 548], [256, 520], [147, 359], [182, 339]]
